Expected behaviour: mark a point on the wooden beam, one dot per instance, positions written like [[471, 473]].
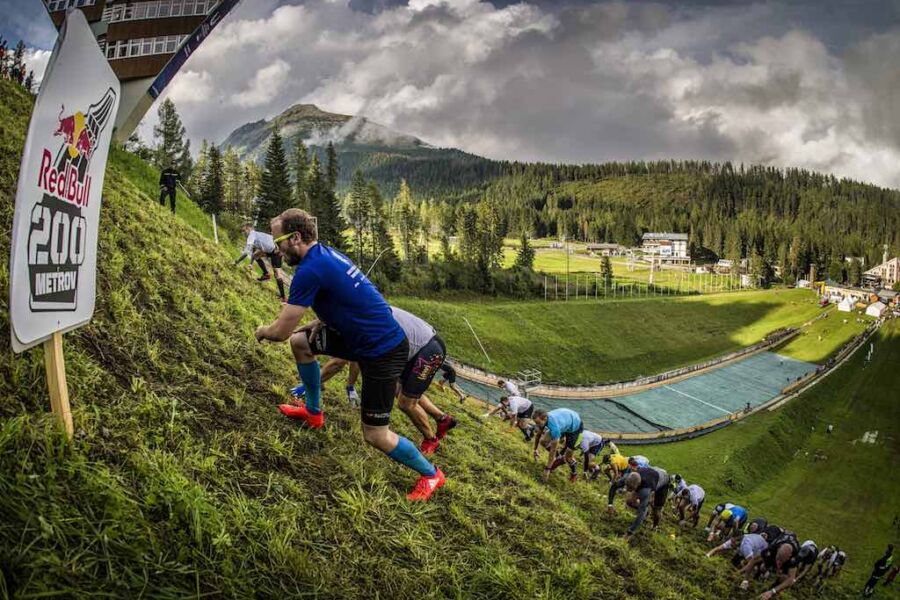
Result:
[[55, 363]]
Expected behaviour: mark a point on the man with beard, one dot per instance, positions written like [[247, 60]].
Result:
[[355, 323]]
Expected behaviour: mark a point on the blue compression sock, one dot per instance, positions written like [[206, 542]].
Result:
[[312, 379], [406, 453]]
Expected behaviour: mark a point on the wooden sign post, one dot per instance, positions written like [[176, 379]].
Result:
[[55, 363]]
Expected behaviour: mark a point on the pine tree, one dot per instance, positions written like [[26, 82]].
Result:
[[384, 254], [606, 272], [325, 207], [252, 180], [18, 63], [300, 166], [195, 183], [332, 167], [854, 272], [406, 220], [29, 82], [233, 183], [359, 212], [211, 190], [169, 137], [275, 185], [525, 255]]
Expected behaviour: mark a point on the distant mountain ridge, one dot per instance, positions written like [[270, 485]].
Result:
[[382, 154]]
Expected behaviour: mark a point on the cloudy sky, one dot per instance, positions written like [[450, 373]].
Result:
[[810, 83]]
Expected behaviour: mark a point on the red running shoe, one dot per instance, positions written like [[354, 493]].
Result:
[[429, 446], [426, 486], [265, 277], [300, 413], [573, 477], [445, 426]]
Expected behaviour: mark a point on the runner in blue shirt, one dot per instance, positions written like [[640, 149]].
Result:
[[561, 424], [354, 323]]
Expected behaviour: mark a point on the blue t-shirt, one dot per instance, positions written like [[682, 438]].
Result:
[[738, 513], [562, 420], [345, 299]]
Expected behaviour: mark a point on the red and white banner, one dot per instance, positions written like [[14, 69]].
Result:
[[53, 258]]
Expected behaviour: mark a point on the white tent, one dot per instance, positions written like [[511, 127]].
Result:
[[876, 309], [846, 305]]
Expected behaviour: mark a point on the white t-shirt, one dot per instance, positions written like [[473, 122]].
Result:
[[588, 439], [511, 389], [696, 494], [417, 331], [752, 544], [518, 404], [257, 240]]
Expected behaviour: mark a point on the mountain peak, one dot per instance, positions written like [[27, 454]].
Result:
[[308, 111]]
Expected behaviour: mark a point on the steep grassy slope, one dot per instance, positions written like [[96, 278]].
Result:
[[611, 340], [182, 480], [768, 463]]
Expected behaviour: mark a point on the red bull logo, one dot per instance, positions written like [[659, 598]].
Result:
[[74, 133], [67, 176]]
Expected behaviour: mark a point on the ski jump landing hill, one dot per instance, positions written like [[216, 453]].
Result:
[[682, 403]]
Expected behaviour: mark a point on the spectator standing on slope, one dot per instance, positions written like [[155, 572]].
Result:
[[168, 182]]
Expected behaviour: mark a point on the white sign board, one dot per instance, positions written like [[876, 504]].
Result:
[[53, 258]]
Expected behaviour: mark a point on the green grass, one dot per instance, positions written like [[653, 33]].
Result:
[[595, 341], [182, 480], [825, 337], [766, 462]]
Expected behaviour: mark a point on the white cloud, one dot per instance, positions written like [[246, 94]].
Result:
[[191, 87], [264, 86], [36, 60], [565, 82]]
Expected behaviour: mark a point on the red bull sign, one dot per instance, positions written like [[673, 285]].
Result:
[[55, 228]]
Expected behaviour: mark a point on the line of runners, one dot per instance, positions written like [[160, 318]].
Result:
[[397, 355], [759, 550]]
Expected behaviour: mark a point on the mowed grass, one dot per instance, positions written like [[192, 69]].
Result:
[[822, 339], [599, 341], [767, 462]]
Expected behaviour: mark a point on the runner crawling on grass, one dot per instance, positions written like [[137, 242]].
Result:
[[448, 377], [509, 387], [781, 558], [356, 324], [647, 486], [590, 444], [426, 355], [689, 504], [806, 560], [749, 546], [830, 562], [332, 368], [563, 425], [425, 349], [614, 463], [519, 410], [726, 520], [261, 244], [678, 484]]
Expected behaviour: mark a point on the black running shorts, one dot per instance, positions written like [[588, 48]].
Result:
[[421, 368], [379, 375], [527, 413], [570, 439], [379, 384], [329, 341], [275, 258]]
